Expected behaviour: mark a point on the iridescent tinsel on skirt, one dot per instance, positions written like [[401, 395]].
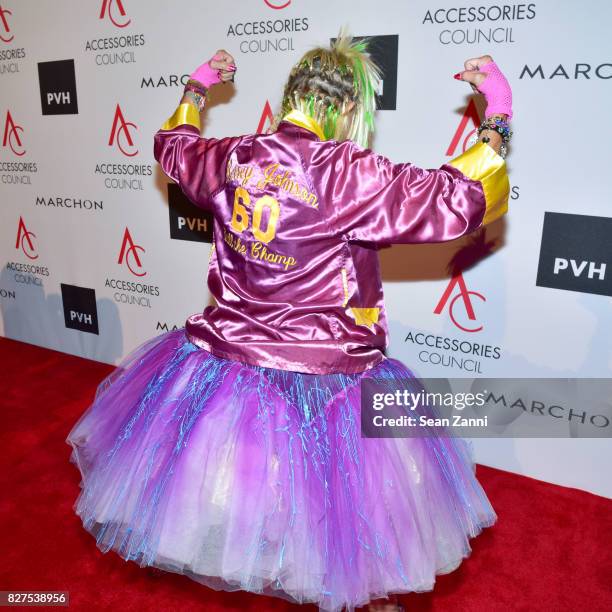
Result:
[[244, 477]]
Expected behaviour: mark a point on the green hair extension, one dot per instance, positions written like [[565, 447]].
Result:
[[331, 119], [352, 117]]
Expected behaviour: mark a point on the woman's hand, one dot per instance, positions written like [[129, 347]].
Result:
[[219, 69], [472, 74], [485, 77], [224, 63]]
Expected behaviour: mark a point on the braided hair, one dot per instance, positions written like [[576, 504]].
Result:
[[336, 87]]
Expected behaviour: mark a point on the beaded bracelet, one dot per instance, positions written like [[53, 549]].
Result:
[[198, 99], [196, 87], [496, 125], [196, 92], [475, 137]]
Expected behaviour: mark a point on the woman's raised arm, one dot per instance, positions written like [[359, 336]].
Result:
[[196, 163], [378, 201]]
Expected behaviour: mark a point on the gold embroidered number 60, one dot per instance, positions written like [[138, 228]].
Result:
[[240, 215]]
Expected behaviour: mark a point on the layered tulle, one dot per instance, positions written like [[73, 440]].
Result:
[[244, 477]]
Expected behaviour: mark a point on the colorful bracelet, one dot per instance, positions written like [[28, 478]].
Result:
[[496, 125], [198, 99], [475, 137], [196, 92], [196, 87]]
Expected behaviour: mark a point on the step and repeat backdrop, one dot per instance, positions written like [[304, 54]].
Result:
[[101, 252]]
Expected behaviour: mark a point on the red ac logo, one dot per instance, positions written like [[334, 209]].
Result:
[[24, 240], [279, 6], [469, 114], [266, 115], [5, 25], [129, 254], [121, 133], [464, 294], [11, 135], [107, 9]]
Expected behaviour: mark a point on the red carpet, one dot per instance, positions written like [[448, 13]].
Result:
[[550, 549]]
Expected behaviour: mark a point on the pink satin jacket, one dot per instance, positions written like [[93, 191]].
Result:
[[298, 220]]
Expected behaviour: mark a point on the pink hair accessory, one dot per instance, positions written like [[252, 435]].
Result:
[[496, 91]]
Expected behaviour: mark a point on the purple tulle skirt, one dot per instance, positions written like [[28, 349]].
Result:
[[244, 477]]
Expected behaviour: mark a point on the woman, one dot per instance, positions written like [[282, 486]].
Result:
[[230, 451]]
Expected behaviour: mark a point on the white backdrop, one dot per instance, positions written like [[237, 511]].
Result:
[[66, 200]]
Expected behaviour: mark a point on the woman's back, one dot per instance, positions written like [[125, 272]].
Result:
[[298, 219]]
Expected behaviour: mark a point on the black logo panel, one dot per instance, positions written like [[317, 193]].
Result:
[[80, 310], [576, 253], [58, 95], [384, 52], [187, 221]]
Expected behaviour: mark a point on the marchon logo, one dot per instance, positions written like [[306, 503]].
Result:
[[120, 134], [576, 253], [164, 327], [11, 136], [172, 80], [463, 295], [58, 95], [187, 221], [384, 50], [25, 240], [80, 310], [73, 203], [6, 35], [129, 255], [575, 72], [8, 294], [470, 115], [278, 5], [115, 12], [265, 121]]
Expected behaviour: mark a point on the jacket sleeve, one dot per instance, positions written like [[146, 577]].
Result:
[[375, 200], [197, 164]]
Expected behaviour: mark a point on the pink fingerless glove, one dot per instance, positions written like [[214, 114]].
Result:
[[205, 74], [496, 91]]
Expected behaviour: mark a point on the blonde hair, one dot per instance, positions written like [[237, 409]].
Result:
[[324, 83]]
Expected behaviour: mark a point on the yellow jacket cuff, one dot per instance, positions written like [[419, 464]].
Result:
[[481, 163], [185, 114]]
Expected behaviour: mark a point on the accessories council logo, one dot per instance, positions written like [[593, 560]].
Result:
[[130, 256], [467, 322], [114, 11], [25, 240], [6, 35], [278, 5], [11, 137], [120, 134]]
